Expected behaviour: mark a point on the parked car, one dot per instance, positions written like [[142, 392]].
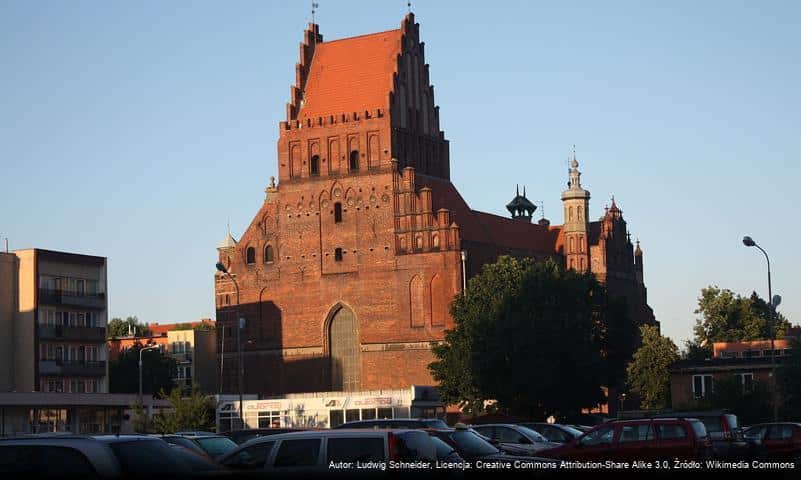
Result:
[[194, 433], [313, 451], [581, 428], [241, 436], [396, 423], [214, 446], [76, 457], [106, 456], [775, 441], [721, 426], [554, 432], [511, 435], [643, 439], [446, 452], [144, 456], [471, 446]]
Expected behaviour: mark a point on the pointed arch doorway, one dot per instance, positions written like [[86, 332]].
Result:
[[343, 349]]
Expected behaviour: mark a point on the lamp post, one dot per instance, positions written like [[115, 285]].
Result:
[[151, 347], [749, 242], [240, 322]]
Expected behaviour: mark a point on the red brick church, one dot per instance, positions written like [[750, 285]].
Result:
[[348, 268]]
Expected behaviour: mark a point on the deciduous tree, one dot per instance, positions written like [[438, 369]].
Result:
[[118, 327], [529, 335], [194, 411], [728, 317], [647, 374]]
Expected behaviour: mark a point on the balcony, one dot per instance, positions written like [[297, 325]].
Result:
[[64, 332], [72, 368], [73, 299]]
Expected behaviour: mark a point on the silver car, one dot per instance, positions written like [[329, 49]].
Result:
[[515, 436]]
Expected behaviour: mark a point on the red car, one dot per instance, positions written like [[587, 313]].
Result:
[[645, 439], [780, 441]]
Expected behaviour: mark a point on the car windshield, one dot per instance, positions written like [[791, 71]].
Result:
[[443, 449], [148, 458], [216, 446], [533, 435], [571, 430], [196, 461], [472, 444]]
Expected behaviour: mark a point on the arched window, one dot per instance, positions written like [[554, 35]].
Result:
[[315, 165], [570, 213], [435, 242], [581, 244], [269, 255], [354, 160], [343, 350], [337, 212], [580, 213], [572, 246], [338, 255], [250, 256], [418, 243]]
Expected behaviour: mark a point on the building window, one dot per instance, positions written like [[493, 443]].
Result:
[[251, 256], [581, 243], [269, 256], [315, 165], [746, 380], [338, 212], [418, 243], [572, 245], [702, 385], [570, 213], [354, 160], [338, 255], [435, 242]]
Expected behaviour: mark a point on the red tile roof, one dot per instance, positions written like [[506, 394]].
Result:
[[351, 75], [487, 228]]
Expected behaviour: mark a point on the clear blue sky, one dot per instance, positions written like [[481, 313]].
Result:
[[135, 130]]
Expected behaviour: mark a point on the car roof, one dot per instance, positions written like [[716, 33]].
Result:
[[125, 438]]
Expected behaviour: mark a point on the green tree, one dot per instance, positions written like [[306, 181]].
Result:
[[788, 375], [194, 411], [695, 351], [141, 423], [647, 374], [118, 327], [521, 329], [200, 326], [728, 317], [157, 371]]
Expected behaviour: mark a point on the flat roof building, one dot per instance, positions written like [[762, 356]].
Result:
[[54, 311]]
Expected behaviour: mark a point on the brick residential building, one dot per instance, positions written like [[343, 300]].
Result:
[[348, 268]]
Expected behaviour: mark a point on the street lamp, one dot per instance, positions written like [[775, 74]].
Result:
[[749, 242], [151, 347], [240, 321]]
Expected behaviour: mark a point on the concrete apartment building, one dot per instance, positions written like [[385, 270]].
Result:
[[194, 350], [53, 311]]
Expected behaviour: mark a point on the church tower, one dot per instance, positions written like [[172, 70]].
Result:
[[576, 202]]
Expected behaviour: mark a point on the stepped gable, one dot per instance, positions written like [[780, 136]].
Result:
[[351, 75]]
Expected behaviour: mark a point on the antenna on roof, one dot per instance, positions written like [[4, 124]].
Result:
[[314, 7], [409, 4]]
